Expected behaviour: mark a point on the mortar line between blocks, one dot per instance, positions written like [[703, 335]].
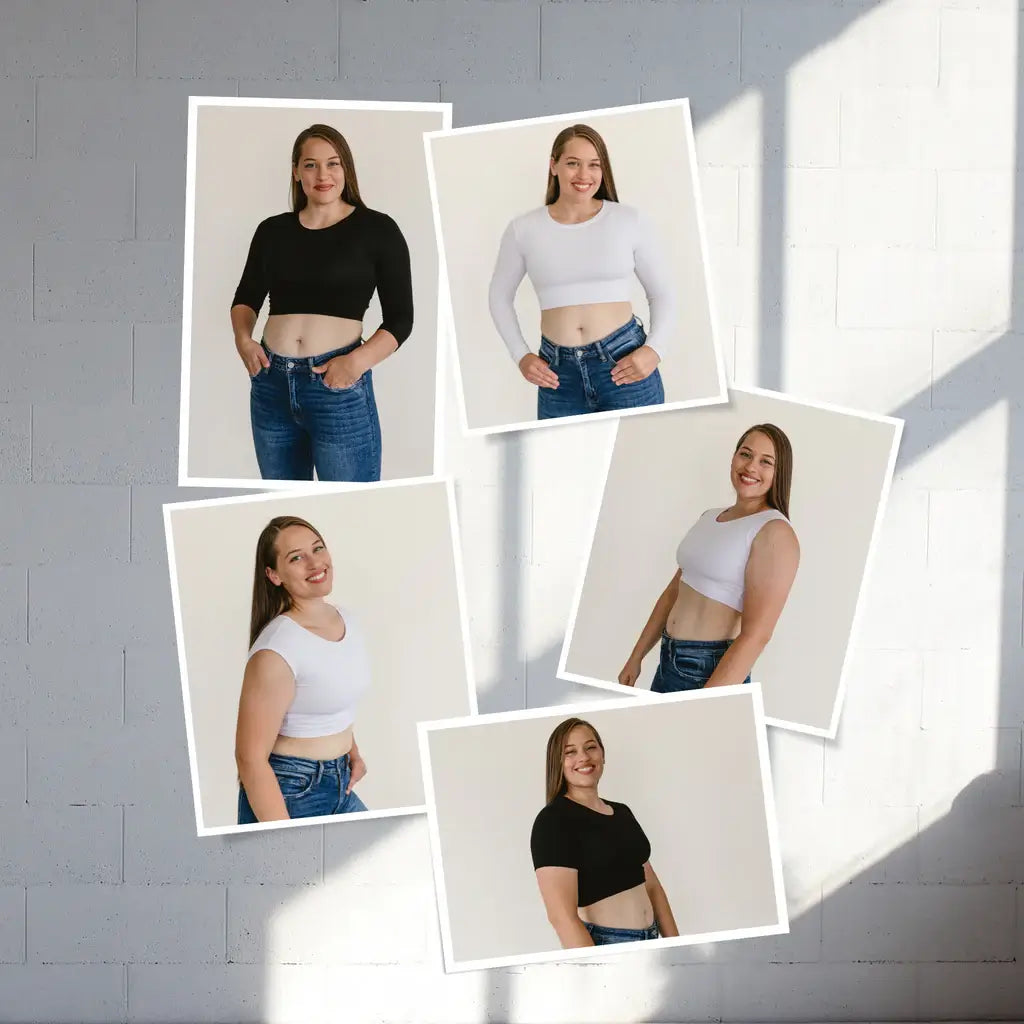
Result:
[[540, 42]]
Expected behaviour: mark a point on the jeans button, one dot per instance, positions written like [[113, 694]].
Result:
[[291, 366]]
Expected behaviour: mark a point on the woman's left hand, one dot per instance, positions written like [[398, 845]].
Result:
[[638, 365], [357, 769], [341, 372]]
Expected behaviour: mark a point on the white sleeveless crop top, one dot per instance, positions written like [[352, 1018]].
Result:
[[580, 264], [713, 555], [330, 676]]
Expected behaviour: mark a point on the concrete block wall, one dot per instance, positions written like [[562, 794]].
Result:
[[863, 202]]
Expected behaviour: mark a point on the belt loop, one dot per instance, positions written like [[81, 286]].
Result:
[[602, 352], [319, 773], [555, 357]]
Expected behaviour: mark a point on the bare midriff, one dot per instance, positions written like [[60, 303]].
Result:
[[309, 334], [573, 326], [316, 748], [696, 617], [630, 908]]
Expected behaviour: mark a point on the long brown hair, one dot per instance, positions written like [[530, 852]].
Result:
[[555, 782], [350, 193], [778, 493], [606, 190], [268, 600]]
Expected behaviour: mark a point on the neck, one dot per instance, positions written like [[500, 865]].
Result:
[[323, 216], [573, 207], [588, 797], [306, 607], [748, 506]]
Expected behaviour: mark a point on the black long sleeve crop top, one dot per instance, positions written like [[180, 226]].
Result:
[[332, 271], [608, 851]]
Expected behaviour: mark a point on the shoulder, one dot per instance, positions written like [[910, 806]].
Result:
[[529, 222], [376, 219], [619, 807], [550, 816], [276, 224], [778, 536], [623, 213], [273, 636]]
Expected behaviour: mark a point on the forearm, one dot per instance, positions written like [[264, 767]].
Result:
[[738, 660], [262, 791], [377, 348], [243, 320], [651, 633], [667, 926], [571, 931]]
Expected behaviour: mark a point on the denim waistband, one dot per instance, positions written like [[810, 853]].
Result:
[[707, 646], [307, 766], [603, 349], [650, 932], [280, 362]]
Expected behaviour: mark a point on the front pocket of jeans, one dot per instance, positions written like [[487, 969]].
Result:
[[694, 668], [294, 785], [341, 391]]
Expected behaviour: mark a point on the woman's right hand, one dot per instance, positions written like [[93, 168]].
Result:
[[630, 673], [252, 355], [536, 371]]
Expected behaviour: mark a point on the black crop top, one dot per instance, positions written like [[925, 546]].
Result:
[[607, 850], [332, 271]]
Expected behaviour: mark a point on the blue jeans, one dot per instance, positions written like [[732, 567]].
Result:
[[310, 788], [687, 664], [605, 936], [299, 423], [585, 376]]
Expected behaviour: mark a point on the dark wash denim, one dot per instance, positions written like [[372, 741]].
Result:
[[585, 376], [606, 936], [299, 423], [310, 788], [687, 664]]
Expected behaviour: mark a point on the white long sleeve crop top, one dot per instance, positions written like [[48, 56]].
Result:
[[713, 555], [330, 676], [579, 264]]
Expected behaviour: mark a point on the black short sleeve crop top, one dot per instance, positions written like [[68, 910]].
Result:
[[332, 271], [607, 850]]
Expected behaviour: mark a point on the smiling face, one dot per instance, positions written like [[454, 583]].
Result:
[[753, 466], [578, 169], [320, 172], [303, 564], [582, 758]]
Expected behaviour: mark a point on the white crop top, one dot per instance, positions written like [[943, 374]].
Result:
[[580, 264], [330, 676], [713, 555]]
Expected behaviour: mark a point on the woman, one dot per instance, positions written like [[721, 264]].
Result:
[[591, 856], [308, 666], [581, 250], [311, 400], [736, 568]]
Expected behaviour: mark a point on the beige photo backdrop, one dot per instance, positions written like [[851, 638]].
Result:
[[667, 469], [243, 168], [688, 769], [484, 178], [394, 567]]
